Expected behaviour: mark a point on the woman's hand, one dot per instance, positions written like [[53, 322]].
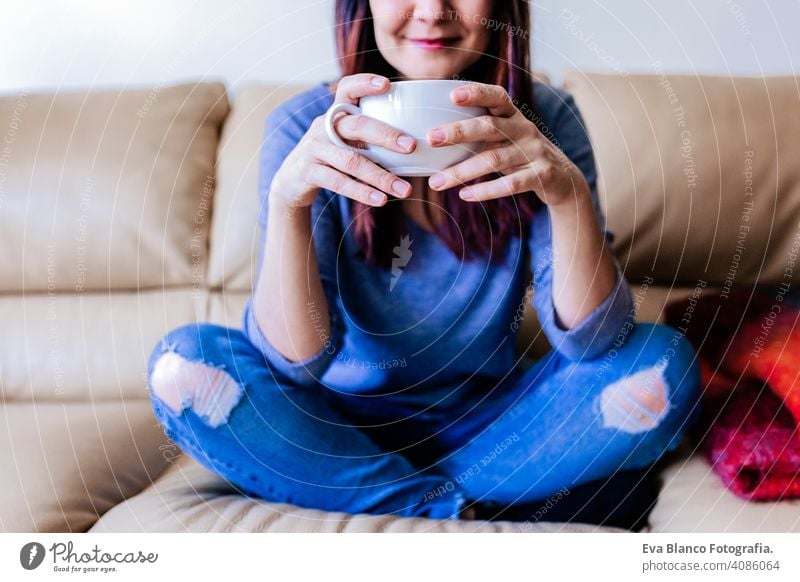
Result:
[[318, 163], [584, 273], [514, 147]]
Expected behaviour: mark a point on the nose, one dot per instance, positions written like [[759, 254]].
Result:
[[431, 10]]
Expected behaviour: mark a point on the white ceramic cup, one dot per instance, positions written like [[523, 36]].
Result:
[[413, 107]]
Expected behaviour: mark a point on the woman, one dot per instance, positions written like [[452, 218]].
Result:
[[376, 371]]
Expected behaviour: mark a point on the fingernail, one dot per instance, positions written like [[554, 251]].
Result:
[[405, 141], [400, 187], [437, 135], [378, 81], [436, 181], [460, 94], [467, 194], [376, 197]]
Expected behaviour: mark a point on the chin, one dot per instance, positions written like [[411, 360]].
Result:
[[444, 71], [429, 75]]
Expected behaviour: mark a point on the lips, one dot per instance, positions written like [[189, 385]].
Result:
[[433, 43]]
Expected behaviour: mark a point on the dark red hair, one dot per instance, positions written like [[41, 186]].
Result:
[[470, 229]]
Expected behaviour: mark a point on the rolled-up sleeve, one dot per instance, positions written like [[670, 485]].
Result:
[[613, 317], [303, 373], [283, 130]]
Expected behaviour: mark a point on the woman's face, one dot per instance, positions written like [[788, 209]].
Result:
[[432, 39]]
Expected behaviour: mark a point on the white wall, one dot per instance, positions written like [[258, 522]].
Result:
[[79, 43], [60, 43], [747, 37]]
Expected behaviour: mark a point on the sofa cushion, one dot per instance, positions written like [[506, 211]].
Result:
[[108, 189], [66, 464], [190, 498], [698, 175], [694, 499], [73, 346]]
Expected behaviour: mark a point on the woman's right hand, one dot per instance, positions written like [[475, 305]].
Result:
[[316, 162]]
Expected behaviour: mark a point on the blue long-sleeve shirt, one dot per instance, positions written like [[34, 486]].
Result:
[[444, 329]]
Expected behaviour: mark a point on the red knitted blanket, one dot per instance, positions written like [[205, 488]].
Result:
[[748, 343]]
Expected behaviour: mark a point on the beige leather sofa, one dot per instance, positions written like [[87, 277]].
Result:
[[125, 213]]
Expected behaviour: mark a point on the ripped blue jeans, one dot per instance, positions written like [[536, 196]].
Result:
[[558, 424]]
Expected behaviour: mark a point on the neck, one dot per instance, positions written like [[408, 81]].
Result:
[[422, 203]]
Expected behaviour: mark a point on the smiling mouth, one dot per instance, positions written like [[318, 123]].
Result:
[[433, 43]]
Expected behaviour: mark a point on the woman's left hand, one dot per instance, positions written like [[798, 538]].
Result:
[[513, 146]]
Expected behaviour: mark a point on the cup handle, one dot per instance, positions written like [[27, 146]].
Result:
[[329, 117]]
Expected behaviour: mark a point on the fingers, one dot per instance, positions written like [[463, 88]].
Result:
[[353, 87], [357, 166], [501, 187], [368, 130], [537, 176], [482, 128], [322, 176], [483, 163], [541, 176], [494, 97]]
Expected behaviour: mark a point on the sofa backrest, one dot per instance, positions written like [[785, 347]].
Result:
[[234, 230], [110, 187], [698, 175], [105, 201]]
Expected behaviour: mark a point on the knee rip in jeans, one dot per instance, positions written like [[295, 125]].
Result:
[[636, 403], [209, 390]]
